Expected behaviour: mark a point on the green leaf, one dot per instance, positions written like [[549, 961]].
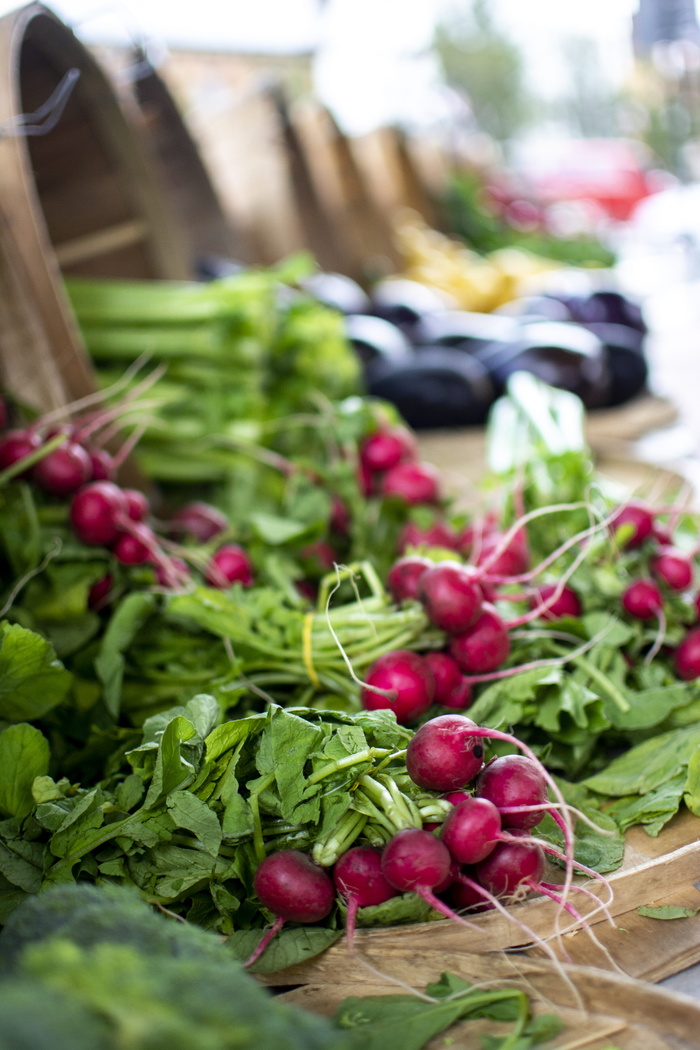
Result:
[[227, 735], [288, 947], [24, 755], [172, 770], [654, 809], [188, 811], [124, 625], [32, 679], [691, 788], [668, 911], [275, 530], [648, 764]]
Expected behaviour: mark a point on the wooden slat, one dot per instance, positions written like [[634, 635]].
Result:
[[102, 242]]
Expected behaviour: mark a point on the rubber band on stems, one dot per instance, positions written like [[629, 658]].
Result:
[[47, 116]]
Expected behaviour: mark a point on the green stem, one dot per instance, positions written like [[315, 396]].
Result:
[[326, 851], [366, 755], [604, 682]]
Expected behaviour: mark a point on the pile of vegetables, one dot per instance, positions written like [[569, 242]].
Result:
[[214, 699]]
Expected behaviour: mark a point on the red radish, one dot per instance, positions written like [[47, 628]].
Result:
[[451, 596], [446, 673], [460, 697], [290, 885], [513, 783], [437, 534], [359, 879], [686, 658], [416, 861], [499, 557], [175, 570], [15, 445], [556, 601], [403, 576], [198, 520], [463, 894], [672, 567], [387, 447], [406, 682], [443, 754], [632, 523], [95, 512], [98, 595], [471, 830], [366, 480], [340, 519], [136, 546], [63, 471], [642, 599], [456, 796], [484, 646], [229, 564], [137, 506], [102, 465], [511, 868], [412, 483]]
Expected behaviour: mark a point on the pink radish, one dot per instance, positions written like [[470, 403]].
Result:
[[102, 465], [686, 658], [387, 447], [642, 599], [673, 568], [359, 879], [16, 445], [290, 885], [513, 783], [137, 506], [136, 546], [512, 867], [229, 564], [471, 830], [416, 861], [198, 520], [401, 681], [63, 471], [95, 512], [438, 534], [443, 754], [451, 596], [632, 523], [485, 646], [403, 576], [412, 483], [556, 601]]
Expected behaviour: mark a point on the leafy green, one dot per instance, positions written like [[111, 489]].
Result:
[[32, 679]]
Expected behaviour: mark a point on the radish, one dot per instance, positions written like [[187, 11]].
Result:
[[416, 861], [446, 673], [460, 697], [99, 593], [501, 557], [484, 646], [136, 546], [686, 658], [632, 523], [511, 868], [340, 519], [198, 520], [642, 599], [137, 506], [63, 471], [471, 830], [443, 754], [401, 681], [513, 783], [412, 483], [555, 601], [16, 445], [359, 879], [290, 885], [95, 513], [229, 564], [437, 534], [451, 596], [403, 576], [673, 568], [387, 447], [102, 465]]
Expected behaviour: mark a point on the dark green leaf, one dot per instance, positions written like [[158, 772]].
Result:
[[288, 947], [32, 679], [24, 755]]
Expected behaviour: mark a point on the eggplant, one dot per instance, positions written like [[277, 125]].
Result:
[[626, 359], [462, 329], [337, 291], [565, 355], [536, 308], [404, 302], [374, 339], [438, 387], [606, 305]]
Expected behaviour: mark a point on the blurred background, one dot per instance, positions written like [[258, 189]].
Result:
[[493, 150]]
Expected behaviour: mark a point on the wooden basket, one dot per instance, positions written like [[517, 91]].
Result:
[[78, 196]]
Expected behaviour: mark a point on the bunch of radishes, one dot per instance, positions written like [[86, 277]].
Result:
[[65, 463], [483, 854]]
